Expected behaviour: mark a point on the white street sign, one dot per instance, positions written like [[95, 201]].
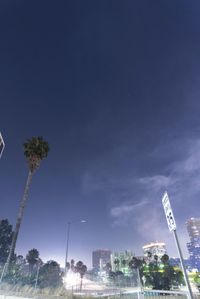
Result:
[[2, 145], [168, 212]]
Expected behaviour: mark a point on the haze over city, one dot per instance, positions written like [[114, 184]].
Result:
[[114, 89]]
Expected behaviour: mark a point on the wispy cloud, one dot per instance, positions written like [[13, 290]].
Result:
[[127, 208]]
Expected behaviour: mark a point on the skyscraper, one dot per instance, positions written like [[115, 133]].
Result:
[[193, 228], [120, 261], [154, 248], [100, 258]]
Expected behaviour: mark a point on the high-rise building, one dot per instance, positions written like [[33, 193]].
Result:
[[193, 228], [120, 261], [100, 258], [154, 248]]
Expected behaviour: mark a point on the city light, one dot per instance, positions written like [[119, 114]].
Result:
[[71, 279]]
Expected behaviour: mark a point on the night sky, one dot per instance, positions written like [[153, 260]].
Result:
[[114, 87]]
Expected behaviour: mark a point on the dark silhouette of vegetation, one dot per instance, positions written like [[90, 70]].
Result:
[[6, 235], [161, 275], [81, 269], [32, 258], [72, 265], [50, 275], [116, 262], [108, 267]]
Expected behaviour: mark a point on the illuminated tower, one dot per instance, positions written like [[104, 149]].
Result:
[[193, 228]]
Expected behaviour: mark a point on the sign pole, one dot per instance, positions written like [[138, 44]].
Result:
[[182, 265], [172, 227]]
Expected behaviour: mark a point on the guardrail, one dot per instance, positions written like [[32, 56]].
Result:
[[133, 294], [149, 294]]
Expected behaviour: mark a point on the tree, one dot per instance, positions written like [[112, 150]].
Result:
[[197, 281], [6, 235], [161, 275], [136, 264], [72, 265], [32, 259], [124, 263], [108, 267], [81, 269], [165, 259], [116, 262], [35, 150], [112, 276], [50, 275]]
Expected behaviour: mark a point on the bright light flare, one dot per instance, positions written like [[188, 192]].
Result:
[[71, 279]]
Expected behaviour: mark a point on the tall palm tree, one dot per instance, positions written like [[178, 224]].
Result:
[[35, 149], [32, 259], [116, 262], [81, 269], [136, 264]]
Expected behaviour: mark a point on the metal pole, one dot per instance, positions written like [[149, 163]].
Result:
[[3, 271], [2, 145], [140, 283], [37, 275], [190, 295], [67, 247]]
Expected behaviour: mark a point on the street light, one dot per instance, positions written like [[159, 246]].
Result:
[[68, 233], [2, 145]]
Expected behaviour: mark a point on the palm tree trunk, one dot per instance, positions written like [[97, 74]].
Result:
[[18, 223], [81, 284]]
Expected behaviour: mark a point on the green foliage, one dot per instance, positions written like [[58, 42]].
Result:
[[135, 264], [81, 269], [36, 146], [116, 262], [15, 273], [197, 280], [50, 275], [161, 275], [32, 258], [165, 259], [6, 234]]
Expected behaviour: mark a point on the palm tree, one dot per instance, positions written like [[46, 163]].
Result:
[[136, 264], [116, 262], [165, 259], [108, 267], [35, 149], [81, 269], [72, 265], [32, 259]]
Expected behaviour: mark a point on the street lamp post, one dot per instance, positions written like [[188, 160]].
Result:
[[39, 263], [68, 235], [2, 145]]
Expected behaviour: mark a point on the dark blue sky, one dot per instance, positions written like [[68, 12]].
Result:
[[114, 86]]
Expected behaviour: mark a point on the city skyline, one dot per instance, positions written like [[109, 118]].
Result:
[[114, 89]]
